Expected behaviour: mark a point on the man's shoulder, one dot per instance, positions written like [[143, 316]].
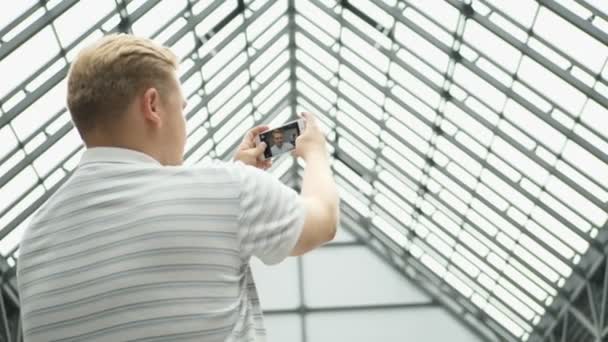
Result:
[[213, 166]]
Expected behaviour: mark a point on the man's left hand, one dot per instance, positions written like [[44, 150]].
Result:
[[250, 154]]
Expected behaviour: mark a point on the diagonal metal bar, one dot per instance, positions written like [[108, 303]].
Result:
[[341, 309], [584, 320], [48, 17], [594, 319], [18, 337], [565, 328], [19, 19], [29, 158], [577, 21], [604, 299], [4, 326], [596, 11]]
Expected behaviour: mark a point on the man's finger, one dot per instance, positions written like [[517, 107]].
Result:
[[309, 118], [257, 130], [249, 138]]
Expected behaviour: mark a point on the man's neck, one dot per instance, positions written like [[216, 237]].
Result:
[[97, 141]]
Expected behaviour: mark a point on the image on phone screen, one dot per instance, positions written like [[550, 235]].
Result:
[[280, 140]]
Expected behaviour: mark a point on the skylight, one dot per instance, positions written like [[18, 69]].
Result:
[[469, 137]]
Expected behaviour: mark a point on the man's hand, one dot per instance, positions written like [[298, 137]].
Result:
[[311, 141], [250, 154]]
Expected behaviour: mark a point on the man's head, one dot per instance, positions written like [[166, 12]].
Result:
[[123, 91], [278, 137]]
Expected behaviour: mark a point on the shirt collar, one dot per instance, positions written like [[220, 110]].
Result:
[[115, 155]]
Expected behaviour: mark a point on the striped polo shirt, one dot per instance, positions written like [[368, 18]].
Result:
[[130, 250]]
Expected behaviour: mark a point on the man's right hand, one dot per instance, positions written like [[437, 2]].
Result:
[[312, 140]]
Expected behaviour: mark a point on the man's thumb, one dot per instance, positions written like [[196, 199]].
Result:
[[260, 148]]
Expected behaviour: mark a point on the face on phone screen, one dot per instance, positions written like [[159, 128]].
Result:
[[280, 140]]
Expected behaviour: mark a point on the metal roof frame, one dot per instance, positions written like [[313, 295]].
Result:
[[409, 219]]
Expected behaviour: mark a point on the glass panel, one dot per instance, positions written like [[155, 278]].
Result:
[[283, 328], [415, 324], [357, 281], [277, 285]]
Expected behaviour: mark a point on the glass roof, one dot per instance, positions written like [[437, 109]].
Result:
[[468, 138]]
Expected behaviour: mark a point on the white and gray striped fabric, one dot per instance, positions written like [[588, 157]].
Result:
[[130, 250]]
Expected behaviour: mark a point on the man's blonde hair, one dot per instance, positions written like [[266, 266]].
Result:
[[106, 76]]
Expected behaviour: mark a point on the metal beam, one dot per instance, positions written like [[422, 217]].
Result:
[[576, 317], [582, 24], [305, 310], [291, 12], [37, 26]]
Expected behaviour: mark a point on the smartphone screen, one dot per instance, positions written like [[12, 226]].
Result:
[[280, 140]]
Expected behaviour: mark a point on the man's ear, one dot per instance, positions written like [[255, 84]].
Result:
[[150, 107]]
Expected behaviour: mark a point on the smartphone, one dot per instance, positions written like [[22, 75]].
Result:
[[280, 139]]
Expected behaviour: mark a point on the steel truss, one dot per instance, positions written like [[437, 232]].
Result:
[[585, 317]]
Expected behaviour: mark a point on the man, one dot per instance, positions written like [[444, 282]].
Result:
[[135, 246], [278, 143]]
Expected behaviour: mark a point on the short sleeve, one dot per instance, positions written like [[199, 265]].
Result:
[[271, 216]]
